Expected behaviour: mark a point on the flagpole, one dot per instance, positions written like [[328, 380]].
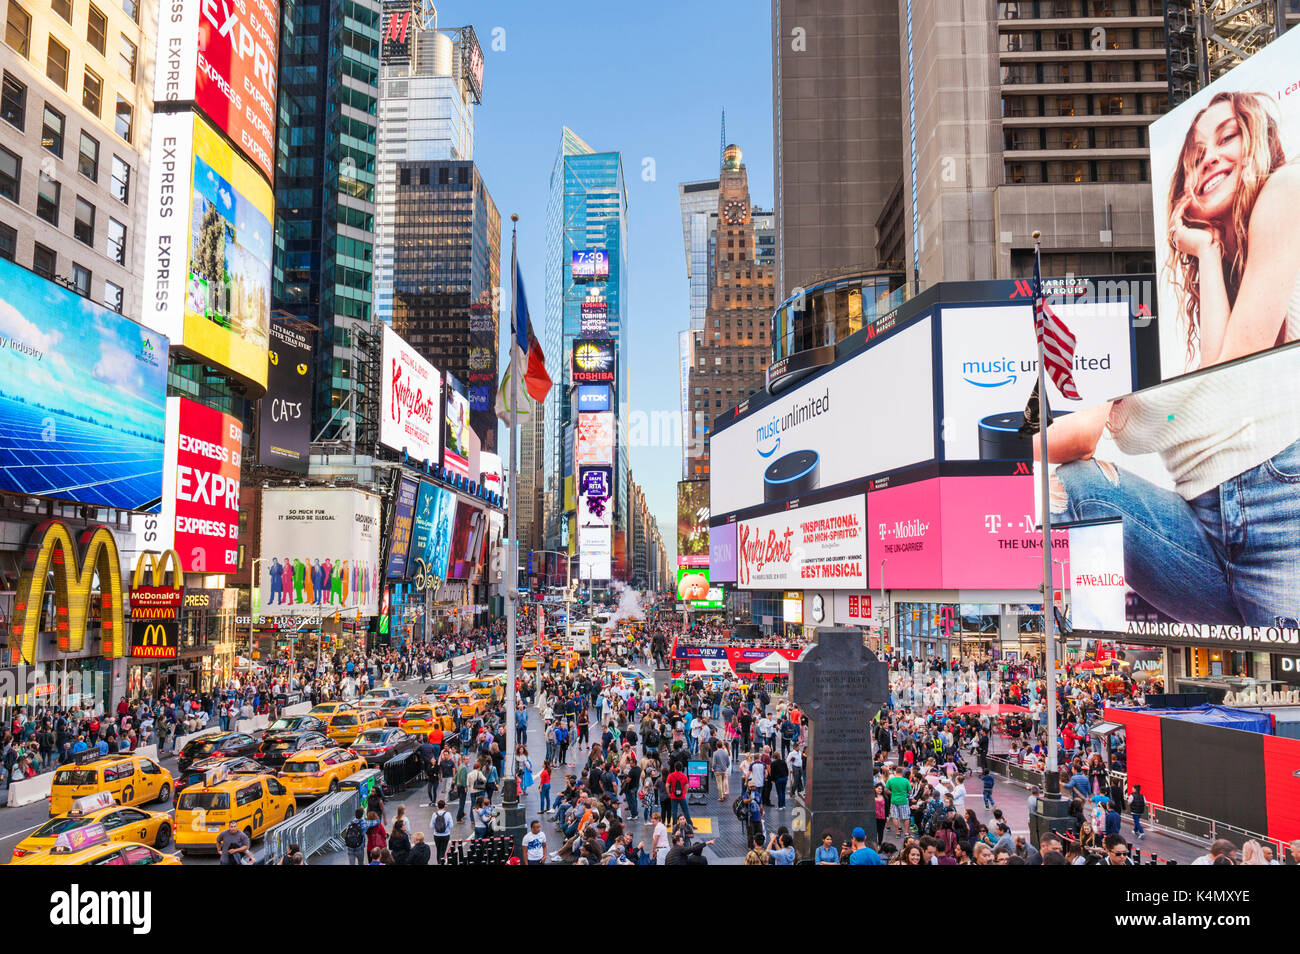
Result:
[[1052, 779], [513, 811]]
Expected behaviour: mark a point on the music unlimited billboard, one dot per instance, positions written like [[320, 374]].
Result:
[[208, 267], [410, 402], [320, 552], [82, 397], [222, 56], [859, 418], [201, 465]]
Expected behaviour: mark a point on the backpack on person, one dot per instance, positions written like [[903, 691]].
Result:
[[440, 824], [353, 836]]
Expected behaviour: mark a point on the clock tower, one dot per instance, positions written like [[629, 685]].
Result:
[[731, 352]]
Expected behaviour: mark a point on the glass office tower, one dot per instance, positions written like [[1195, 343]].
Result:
[[587, 209], [324, 190]]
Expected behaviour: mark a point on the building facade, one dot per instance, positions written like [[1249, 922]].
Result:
[[325, 194], [731, 351], [77, 108], [836, 117]]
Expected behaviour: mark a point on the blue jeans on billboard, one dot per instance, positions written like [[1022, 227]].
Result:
[[1227, 557]]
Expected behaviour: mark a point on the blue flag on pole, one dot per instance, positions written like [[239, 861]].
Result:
[[521, 311]]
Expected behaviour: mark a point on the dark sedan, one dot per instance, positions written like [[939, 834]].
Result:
[[302, 723], [278, 746], [393, 708], [215, 747], [377, 746]]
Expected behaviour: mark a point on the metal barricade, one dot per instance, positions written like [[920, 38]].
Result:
[[401, 770], [315, 828]]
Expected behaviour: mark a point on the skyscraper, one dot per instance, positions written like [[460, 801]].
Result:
[[837, 116], [324, 193], [586, 211]]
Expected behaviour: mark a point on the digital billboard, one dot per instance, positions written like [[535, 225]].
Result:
[[859, 418], [471, 63], [1098, 590], [222, 56], [594, 361], [410, 403], [1204, 485], [201, 467], [595, 442], [595, 498], [468, 538], [822, 545], [82, 397], [595, 554], [722, 553], [284, 413], [431, 533], [320, 551], [207, 283], [456, 437], [693, 523], [593, 319], [594, 397], [397, 22], [974, 531], [590, 265], [989, 366], [399, 544], [490, 472], [1223, 193], [694, 588]]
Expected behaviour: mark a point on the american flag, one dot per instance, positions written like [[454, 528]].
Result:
[[1055, 338]]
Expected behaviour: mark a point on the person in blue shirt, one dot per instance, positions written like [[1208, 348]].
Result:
[[826, 853], [861, 854], [102, 746], [80, 745], [1079, 783], [1112, 819]]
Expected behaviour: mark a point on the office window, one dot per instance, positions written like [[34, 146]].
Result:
[[88, 157], [44, 261], [18, 28], [63, 8], [11, 167], [132, 9], [97, 29], [124, 119], [92, 92], [81, 280], [13, 102], [83, 228], [52, 130], [56, 62], [113, 295], [8, 242], [126, 58], [47, 199], [121, 180], [117, 241]]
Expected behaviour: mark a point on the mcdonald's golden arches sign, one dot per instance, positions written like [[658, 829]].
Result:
[[153, 639], [75, 567], [156, 601]]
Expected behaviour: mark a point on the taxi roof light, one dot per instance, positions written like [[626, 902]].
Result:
[[88, 836], [89, 803]]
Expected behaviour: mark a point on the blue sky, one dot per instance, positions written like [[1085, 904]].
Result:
[[649, 80]]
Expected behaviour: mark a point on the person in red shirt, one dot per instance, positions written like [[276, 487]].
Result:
[[677, 783]]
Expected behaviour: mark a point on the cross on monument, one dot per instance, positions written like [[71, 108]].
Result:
[[840, 685]]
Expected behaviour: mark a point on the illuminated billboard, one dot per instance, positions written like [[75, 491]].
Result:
[[694, 588], [594, 361], [222, 56], [82, 397], [320, 551], [207, 283], [284, 418], [594, 319], [201, 468], [456, 440], [595, 442], [590, 265], [410, 401], [693, 523], [595, 498], [821, 544]]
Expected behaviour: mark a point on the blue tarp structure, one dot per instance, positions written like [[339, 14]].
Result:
[[1223, 716]]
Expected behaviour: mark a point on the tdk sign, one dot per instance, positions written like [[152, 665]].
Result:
[[593, 397]]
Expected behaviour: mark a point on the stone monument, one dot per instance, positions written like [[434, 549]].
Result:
[[840, 686]]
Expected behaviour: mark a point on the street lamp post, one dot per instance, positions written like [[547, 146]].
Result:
[[884, 609]]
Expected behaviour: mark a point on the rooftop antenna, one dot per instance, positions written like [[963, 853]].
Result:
[[722, 139]]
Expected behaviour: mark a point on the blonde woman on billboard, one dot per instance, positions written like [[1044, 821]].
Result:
[[1234, 250]]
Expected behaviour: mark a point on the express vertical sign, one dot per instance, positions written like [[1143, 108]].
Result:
[[222, 55], [201, 465]]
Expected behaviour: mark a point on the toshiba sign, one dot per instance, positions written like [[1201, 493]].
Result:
[[200, 508]]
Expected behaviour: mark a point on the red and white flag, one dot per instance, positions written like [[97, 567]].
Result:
[[1056, 340]]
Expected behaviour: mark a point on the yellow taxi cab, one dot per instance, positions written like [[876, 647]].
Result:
[[93, 845], [314, 772], [466, 703], [254, 802], [346, 724], [323, 710], [490, 688], [131, 780], [570, 656], [121, 822], [419, 719], [529, 661]]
